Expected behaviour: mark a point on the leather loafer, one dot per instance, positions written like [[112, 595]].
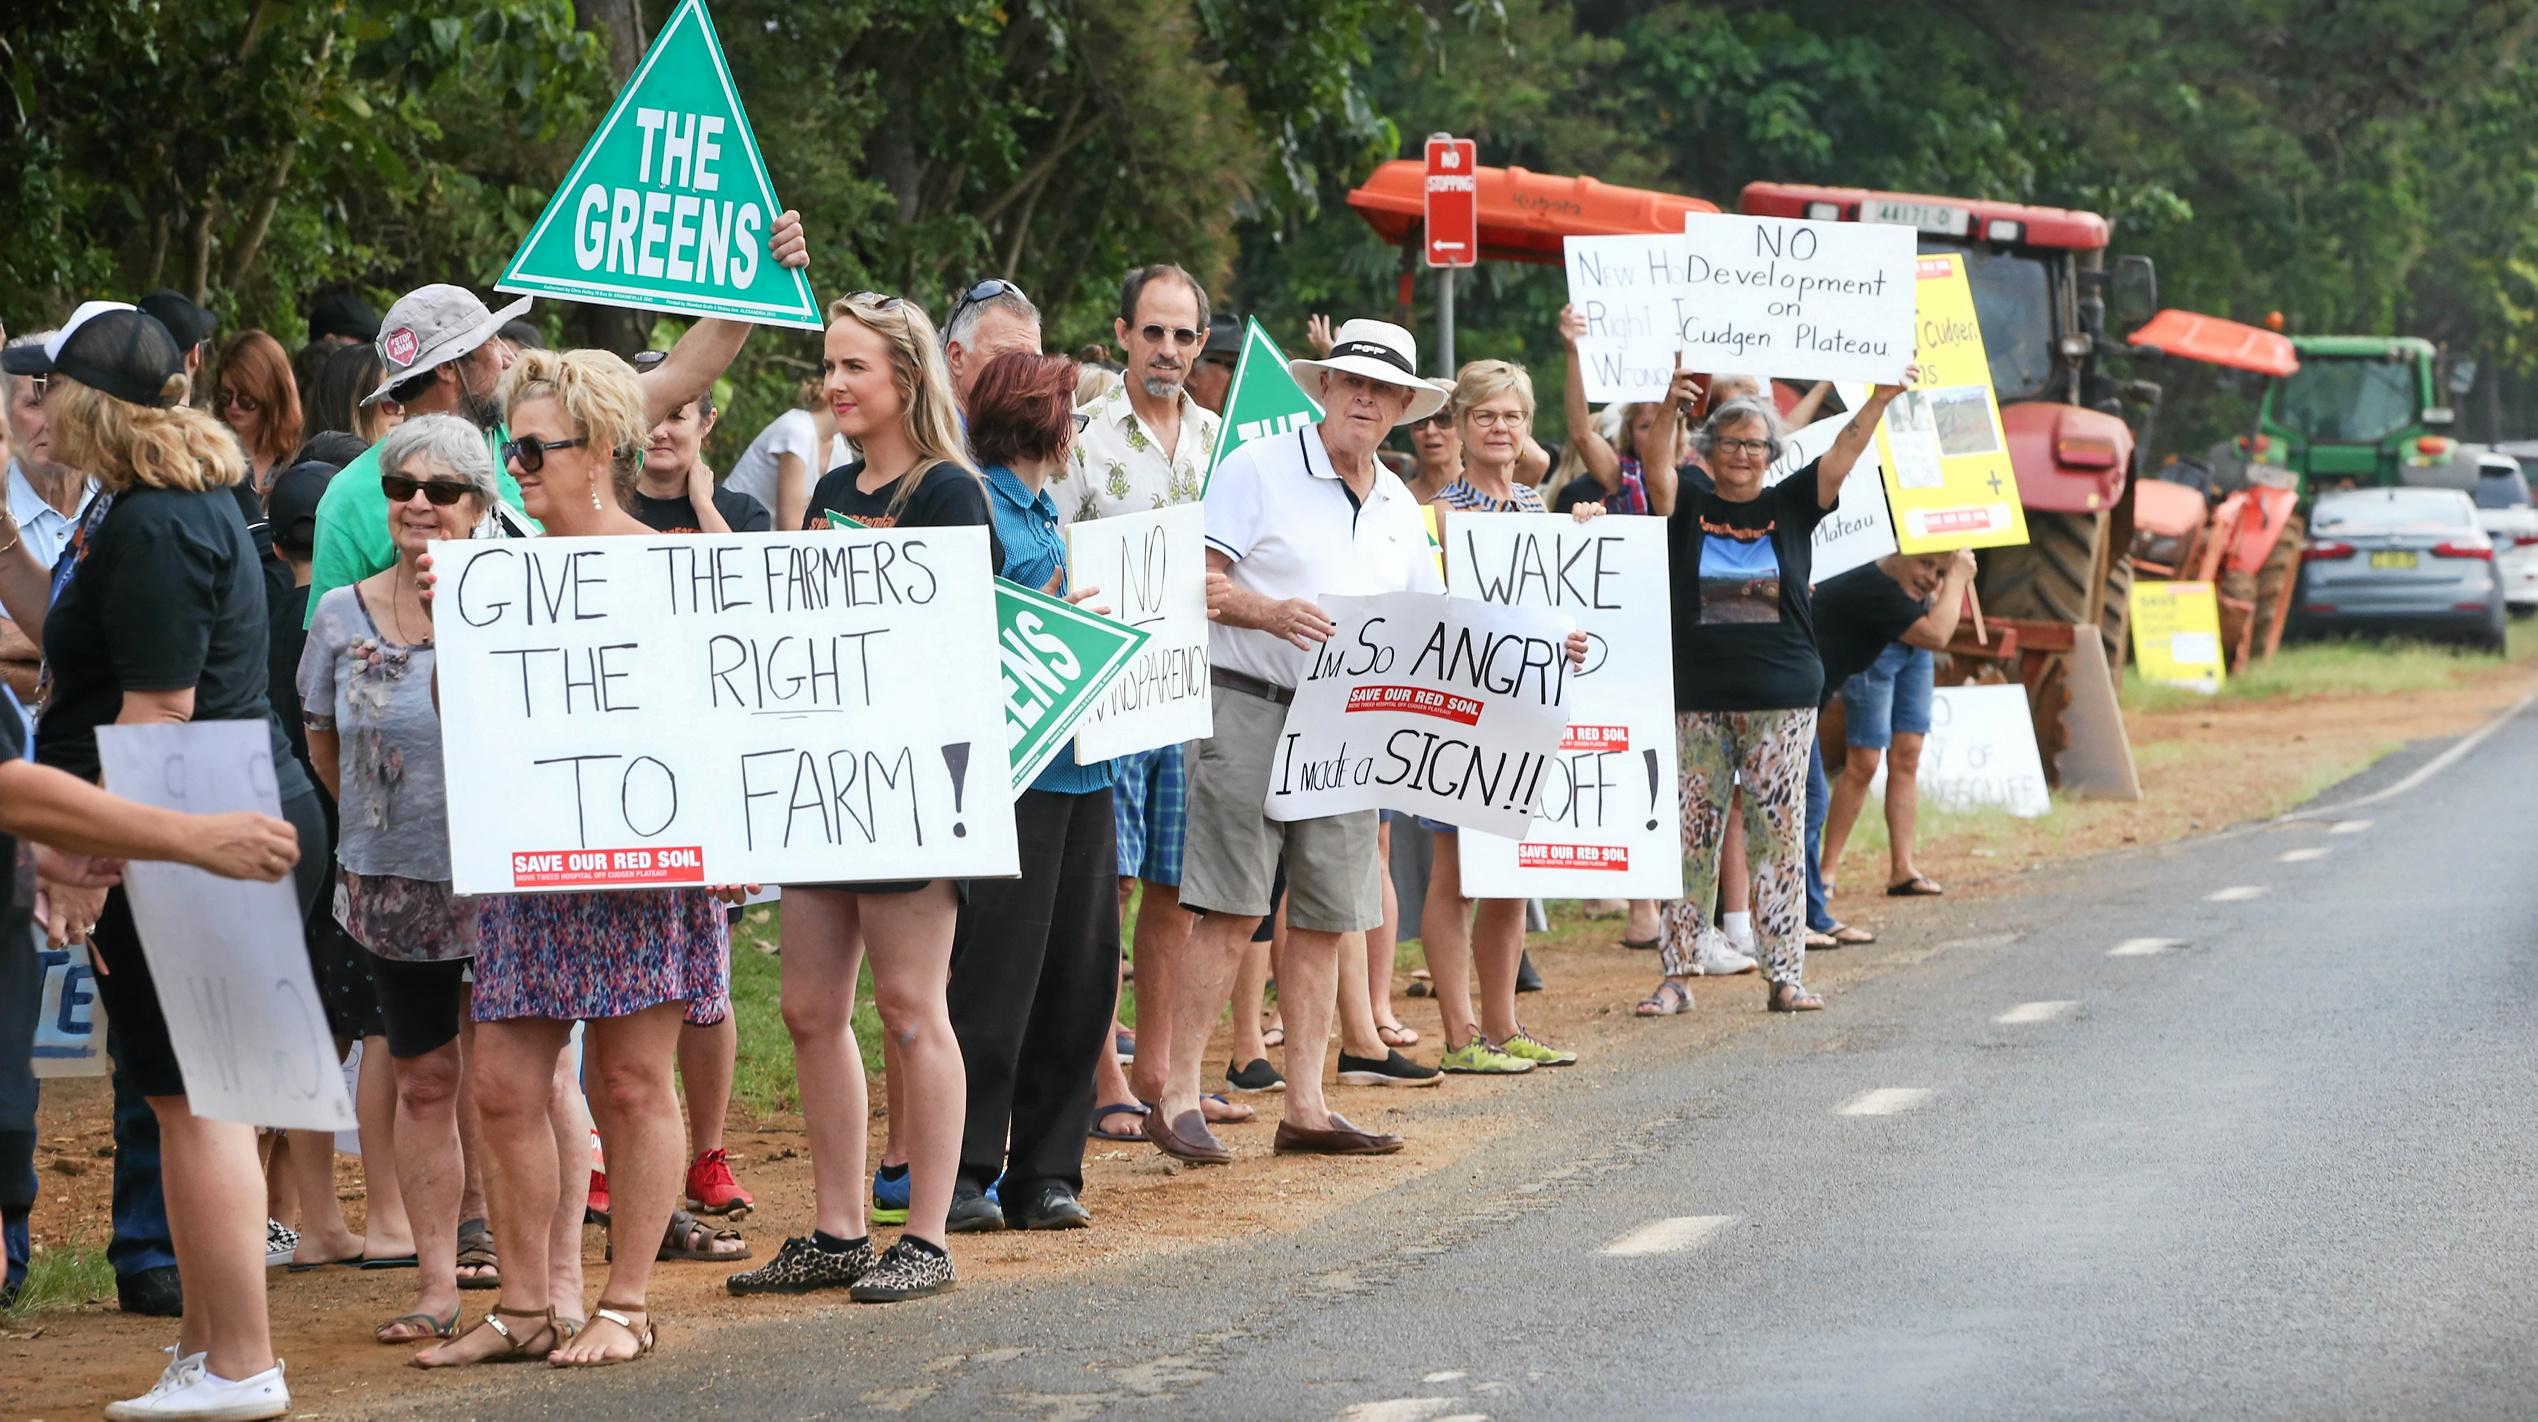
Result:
[[1187, 1139], [1341, 1139], [1056, 1207]]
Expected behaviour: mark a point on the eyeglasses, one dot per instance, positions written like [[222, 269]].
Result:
[[878, 301], [1082, 420], [1181, 335], [442, 492], [530, 454], [1492, 419], [36, 386], [1746, 446], [985, 291], [244, 404]]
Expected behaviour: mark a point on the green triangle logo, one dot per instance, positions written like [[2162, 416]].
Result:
[[669, 207], [1264, 400], [1057, 659]]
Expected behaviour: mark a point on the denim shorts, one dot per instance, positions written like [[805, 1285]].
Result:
[[1892, 697]]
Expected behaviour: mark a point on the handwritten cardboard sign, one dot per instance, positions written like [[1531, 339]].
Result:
[[70, 1019], [1945, 456], [1441, 706], [1610, 824], [721, 708], [231, 966], [1860, 530], [1981, 753], [1152, 572], [1633, 294], [1798, 300]]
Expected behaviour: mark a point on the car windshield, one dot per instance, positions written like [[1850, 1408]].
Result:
[[2013, 302], [2381, 509], [2347, 399]]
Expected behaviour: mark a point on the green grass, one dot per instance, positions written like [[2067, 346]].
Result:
[[63, 1278], [2345, 667]]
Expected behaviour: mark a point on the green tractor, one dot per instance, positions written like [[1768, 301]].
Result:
[[2363, 411]]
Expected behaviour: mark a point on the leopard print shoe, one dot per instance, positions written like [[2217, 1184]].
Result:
[[802, 1267], [905, 1272]]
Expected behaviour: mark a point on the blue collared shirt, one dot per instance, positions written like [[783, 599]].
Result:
[[1035, 554], [44, 527]]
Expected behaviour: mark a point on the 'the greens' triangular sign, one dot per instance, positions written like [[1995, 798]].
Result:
[[1264, 399], [669, 207], [1056, 659]]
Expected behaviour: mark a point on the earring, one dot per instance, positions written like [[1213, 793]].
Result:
[[594, 496]]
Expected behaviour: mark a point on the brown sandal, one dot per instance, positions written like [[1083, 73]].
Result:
[[618, 1314], [515, 1348]]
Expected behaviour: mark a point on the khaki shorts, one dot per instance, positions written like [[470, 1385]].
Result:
[[1231, 854]]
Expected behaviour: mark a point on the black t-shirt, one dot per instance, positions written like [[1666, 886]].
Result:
[[1857, 616], [169, 595], [743, 513], [1744, 632], [948, 496]]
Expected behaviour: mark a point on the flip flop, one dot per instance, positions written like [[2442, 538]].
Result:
[[433, 1328], [1274, 1037], [1919, 886], [302, 1266], [393, 1261], [1134, 1108], [1817, 942], [1397, 1036], [1641, 945], [476, 1251], [1848, 936]]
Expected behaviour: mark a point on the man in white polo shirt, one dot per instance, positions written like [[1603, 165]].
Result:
[[1290, 519]]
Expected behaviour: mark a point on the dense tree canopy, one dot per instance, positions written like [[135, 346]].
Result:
[[2360, 165]]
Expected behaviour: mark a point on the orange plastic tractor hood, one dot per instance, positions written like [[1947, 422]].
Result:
[[1523, 215]]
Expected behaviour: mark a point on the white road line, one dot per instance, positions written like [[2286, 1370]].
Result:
[[2310, 855], [2348, 826], [1885, 1101], [2027, 1013], [1666, 1236], [2143, 947], [1400, 1409], [2235, 894]]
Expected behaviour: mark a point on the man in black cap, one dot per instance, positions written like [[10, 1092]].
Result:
[[334, 322], [189, 323], [1213, 374]]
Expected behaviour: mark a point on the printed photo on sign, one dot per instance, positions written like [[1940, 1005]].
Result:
[[1944, 454], [1962, 415], [1740, 579]]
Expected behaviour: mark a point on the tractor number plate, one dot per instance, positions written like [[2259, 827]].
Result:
[[2402, 558], [1929, 217]]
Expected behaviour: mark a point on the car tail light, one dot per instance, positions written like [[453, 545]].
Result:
[[2464, 550], [2467, 607], [2325, 552], [2085, 453], [2318, 609], [2524, 540]]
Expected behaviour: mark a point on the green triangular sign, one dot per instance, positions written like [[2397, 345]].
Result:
[[1056, 659], [1264, 399], [669, 207]]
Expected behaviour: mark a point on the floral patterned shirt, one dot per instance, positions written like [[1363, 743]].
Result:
[[376, 696], [1120, 466]]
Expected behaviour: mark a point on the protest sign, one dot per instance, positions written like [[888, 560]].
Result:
[[1981, 752], [1610, 825], [1441, 706], [1946, 459], [668, 208], [1633, 295], [1264, 401], [228, 955], [1055, 660], [1152, 572], [2177, 635], [70, 1020], [1797, 300], [697, 709], [1860, 530]]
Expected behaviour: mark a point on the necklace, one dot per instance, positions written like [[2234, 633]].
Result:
[[396, 614]]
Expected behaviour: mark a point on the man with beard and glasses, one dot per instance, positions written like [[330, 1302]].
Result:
[[444, 354]]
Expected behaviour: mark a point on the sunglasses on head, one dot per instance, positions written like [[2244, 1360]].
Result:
[[878, 301], [442, 492], [530, 454], [985, 291], [1181, 335]]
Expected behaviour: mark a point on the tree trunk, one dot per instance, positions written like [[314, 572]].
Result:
[[612, 328], [620, 22]]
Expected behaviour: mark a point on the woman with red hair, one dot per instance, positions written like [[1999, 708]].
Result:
[[257, 398]]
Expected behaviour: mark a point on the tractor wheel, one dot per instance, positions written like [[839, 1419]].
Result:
[[2047, 579], [2275, 582]]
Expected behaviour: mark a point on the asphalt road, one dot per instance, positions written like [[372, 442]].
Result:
[[2277, 1160]]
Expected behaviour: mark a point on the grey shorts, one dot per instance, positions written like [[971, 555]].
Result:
[[1231, 854]]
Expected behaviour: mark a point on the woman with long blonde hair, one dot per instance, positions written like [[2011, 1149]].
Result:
[[882, 366]]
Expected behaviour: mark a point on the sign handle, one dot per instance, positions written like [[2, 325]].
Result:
[[1982, 637]]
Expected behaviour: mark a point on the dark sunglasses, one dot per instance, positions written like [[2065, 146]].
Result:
[[531, 453], [985, 291], [230, 399], [1181, 335], [1082, 420], [442, 492]]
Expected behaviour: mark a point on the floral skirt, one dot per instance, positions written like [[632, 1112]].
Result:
[[408, 920], [573, 956]]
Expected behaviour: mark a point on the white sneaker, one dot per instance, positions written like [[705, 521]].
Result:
[[189, 1390], [1720, 960]]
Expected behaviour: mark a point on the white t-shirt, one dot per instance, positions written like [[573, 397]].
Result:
[[1281, 512], [794, 432]]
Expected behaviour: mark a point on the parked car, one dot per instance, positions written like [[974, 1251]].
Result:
[[2504, 511], [2403, 560]]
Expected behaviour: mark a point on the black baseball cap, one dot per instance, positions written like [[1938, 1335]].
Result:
[[290, 505], [115, 348], [343, 314], [1224, 337], [189, 323]]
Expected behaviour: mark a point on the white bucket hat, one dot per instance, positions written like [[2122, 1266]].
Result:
[[1377, 350], [433, 325]]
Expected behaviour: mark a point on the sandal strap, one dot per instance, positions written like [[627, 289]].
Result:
[[617, 1313], [494, 1321]]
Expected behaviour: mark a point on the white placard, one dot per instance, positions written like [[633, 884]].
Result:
[[1633, 295], [70, 1018], [231, 965], [1610, 825], [1861, 529], [1981, 752], [1798, 300], [1152, 572], [1440, 706], [721, 709]]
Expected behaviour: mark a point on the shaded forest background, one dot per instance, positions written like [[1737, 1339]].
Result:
[[2359, 165]]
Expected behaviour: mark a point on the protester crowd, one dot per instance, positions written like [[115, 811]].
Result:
[[211, 528]]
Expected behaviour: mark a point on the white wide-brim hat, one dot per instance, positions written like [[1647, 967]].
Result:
[[1377, 350]]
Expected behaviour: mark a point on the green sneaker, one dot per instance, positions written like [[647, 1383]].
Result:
[[1534, 1053], [1478, 1057], [890, 1198]]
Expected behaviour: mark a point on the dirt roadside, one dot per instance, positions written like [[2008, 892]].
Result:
[[2202, 768]]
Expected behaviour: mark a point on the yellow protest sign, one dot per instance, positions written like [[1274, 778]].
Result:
[[2177, 635], [1945, 458]]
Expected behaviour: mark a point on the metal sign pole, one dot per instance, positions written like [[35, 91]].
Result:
[[1445, 320]]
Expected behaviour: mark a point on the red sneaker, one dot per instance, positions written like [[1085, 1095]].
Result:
[[712, 1191], [596, 1211]]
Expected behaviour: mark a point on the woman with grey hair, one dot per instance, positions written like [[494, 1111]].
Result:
[[374, 738], [1747, 682]]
